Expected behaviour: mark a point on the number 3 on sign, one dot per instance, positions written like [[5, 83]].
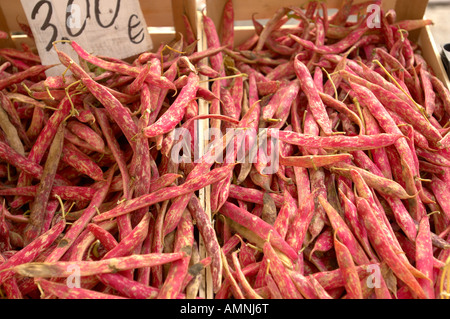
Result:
[[46, 24], [98, 26]]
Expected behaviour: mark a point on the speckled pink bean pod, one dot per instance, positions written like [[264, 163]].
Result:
[[105, 237], [190, 186], [335, 48], [184, 240], [39, 206], [424, 256], [102, 118], [89, 268], [31, 251], [392, 102], [87, 134], [315, 105], [175, 113], [355, 224], [213, 41], [348, 269], [62, 291], [15, 119], [72, 156], [121, 68], [379, 156], [23, 75], [227, 28], [43, 141], [260, 227], [252, 195], [368, 99], [285, 284], [208, 233], [28, 167], [78, 226], [115, 108], [344, 233], [341, 142], [383, 247]]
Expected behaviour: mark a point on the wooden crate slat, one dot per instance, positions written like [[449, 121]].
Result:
[[204, 194]]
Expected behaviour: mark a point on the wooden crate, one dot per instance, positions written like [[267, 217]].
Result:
[[165, 23], [163, 18], [264, 9]]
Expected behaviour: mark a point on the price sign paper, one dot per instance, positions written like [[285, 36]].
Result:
[[115, 28]]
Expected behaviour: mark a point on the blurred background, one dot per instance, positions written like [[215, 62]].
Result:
[[439, 12]]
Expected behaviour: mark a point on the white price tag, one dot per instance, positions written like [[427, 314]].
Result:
[[115, 28]]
